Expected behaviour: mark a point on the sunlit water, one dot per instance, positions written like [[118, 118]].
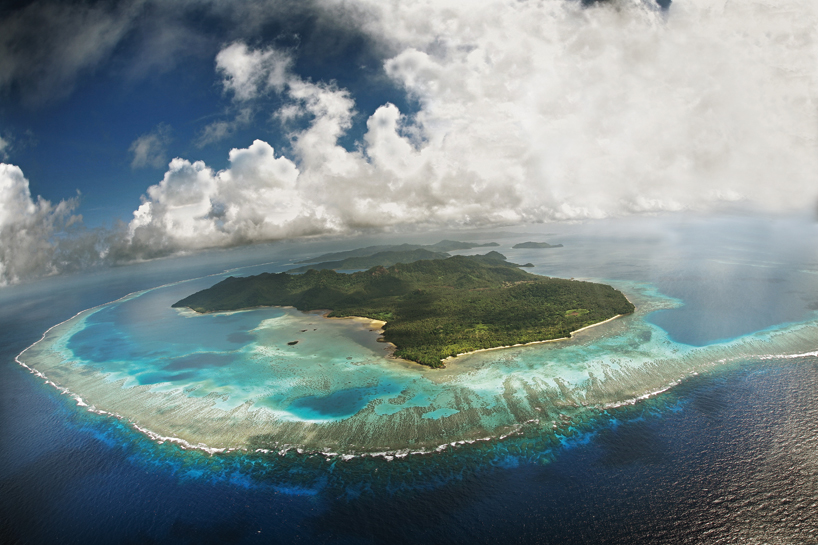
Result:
[[234, 380], [725, 327]]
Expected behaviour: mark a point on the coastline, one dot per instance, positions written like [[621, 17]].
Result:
[[570, 335], [390, 348], [199, 423], [374, 325]]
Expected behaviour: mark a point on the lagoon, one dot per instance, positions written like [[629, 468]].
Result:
[[701, 461], [233, 380]]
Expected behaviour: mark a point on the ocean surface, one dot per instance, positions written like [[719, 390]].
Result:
[[726, 453]]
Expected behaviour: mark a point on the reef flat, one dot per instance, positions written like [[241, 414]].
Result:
[[433, 309], [231, 381]]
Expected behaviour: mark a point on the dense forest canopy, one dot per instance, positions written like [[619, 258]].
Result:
[[433, 308], [384, 259]]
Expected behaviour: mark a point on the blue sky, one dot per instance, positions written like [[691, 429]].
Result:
[[129, 93], [201, 124]]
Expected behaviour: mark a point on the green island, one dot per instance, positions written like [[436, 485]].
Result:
[[384, 259], [433, 309]]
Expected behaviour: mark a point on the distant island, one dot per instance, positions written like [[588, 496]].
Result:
[[440, 247], [383, 259], [536, 245], [432, 309]]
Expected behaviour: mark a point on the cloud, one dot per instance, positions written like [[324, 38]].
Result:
[[27, 227], [548, 112], [150, 149], [526, 112], [194, 207], [221, 129], [248, 73], [535, 112], [611, 110], [4, 147], [48, 47]]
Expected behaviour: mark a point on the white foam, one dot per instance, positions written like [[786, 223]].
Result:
[[790, 356], [487, 382]]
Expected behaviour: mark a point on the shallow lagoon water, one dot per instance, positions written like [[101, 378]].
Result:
[[234, 381], [727, 455], [185, 376]]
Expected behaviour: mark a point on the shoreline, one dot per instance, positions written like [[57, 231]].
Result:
[[377, 326], [359, 319], [159, 431], [569, 337], [391, 347]]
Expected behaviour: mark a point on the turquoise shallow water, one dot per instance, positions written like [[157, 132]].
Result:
[[725, 456], [277, 378]]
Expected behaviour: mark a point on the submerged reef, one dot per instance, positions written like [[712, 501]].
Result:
[[231, 381]]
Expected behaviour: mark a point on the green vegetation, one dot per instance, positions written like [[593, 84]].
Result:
[[536, 245], [576, 311], [383, 259], [433, 308]]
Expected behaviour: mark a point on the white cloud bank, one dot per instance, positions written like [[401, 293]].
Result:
[[27, 228], [529, 111], [193, 207]]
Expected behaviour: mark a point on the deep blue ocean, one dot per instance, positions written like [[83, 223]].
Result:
[[728, 456]]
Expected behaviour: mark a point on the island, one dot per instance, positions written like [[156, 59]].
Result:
[[432, 309], [535, 245], [384, 259], [439, 247]]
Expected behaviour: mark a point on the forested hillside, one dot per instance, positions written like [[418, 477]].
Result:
[[433, 308]]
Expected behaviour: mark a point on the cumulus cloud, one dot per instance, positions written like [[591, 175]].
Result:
[[4, 147], [150, 149], [193, 207], [247, 73], [527, 111], [534, 111], [541, 111], [614, 109], [27, 228]]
